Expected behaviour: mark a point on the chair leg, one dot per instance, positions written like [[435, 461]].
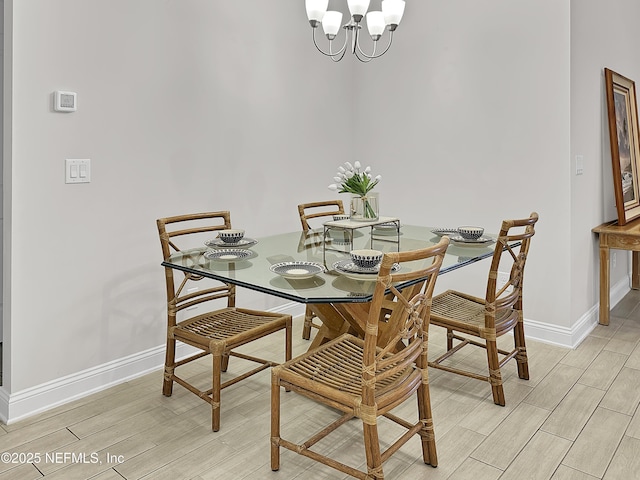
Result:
[[275, 423], [288, 350], [495, 377], [215, 392], [288, 339], [427, 434], [449, 339], [225, 362], [521, 357], [169, 366], [308, 319], [372, 450]]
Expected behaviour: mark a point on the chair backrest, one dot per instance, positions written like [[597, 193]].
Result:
[[183, 232], [406, 314], [508, 259], [327, 208]]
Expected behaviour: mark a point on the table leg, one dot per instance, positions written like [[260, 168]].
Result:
[[635, 270], [339, 318], [334, 324], [604, 284]]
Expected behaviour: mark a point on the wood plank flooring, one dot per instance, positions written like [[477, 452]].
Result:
[[577, 418]]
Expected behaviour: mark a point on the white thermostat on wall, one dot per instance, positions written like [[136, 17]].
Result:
[[65, 101]]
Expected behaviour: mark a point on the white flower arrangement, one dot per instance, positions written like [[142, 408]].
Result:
[[350, 179]]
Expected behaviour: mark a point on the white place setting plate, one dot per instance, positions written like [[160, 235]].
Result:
[[297, 270], [351, 270], [389, 228], [242, 243], [445, 231], [482, 241], [228, 255]]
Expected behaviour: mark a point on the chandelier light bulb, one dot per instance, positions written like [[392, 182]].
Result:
[[331, 23], [393, 11], [316, 10], [376, 25], [358, 8]]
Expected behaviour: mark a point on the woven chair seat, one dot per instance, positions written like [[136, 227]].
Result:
[[454, 308], [338, 365], [223, 324], [450, 305]]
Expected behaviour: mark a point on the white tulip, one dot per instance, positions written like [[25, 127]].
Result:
[[349, 174], [378, 177], [333, 186], [367, 170], [357, 165], [338, 179], [341, 169], [348, 165]]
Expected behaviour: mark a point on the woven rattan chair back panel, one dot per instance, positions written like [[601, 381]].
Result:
[[184, 232], [314, 210], [511, 259], [407, 314]]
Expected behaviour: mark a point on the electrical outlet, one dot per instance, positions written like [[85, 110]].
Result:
[[613, 260]]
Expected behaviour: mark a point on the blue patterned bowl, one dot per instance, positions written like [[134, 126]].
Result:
[[231, 236], [470, 233], [366, 258]]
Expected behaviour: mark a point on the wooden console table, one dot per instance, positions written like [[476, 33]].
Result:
[[618, 237]]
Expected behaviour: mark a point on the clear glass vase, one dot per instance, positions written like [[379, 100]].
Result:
[[365, 208]]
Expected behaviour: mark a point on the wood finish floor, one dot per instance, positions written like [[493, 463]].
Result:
[[577, 418]]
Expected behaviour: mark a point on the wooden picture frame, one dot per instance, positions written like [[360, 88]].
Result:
[[623, 138]]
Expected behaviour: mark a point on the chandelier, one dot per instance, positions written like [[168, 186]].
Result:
[[377, 22]]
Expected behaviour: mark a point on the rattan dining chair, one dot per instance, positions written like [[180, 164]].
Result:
[[216, 332], [354, 376], [480, 321], [307, 212]]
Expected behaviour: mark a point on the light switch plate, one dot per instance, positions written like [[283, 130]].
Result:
[[579, 164], [65, 101], [78, 170]]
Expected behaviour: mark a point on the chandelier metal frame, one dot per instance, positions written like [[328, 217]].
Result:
[[377, 23]]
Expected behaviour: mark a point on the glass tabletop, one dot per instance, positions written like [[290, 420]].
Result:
[[250, 267]]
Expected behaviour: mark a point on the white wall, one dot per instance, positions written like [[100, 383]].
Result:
[[471, 112], [7, 41], [1, 143], [183, 105], [603, 34], [189, 105]]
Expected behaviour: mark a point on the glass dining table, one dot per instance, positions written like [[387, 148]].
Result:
[[339, 299]]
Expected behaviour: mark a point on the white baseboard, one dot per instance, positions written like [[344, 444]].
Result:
[[572, 336], [28, 402], [31, 401], [25, 403]]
